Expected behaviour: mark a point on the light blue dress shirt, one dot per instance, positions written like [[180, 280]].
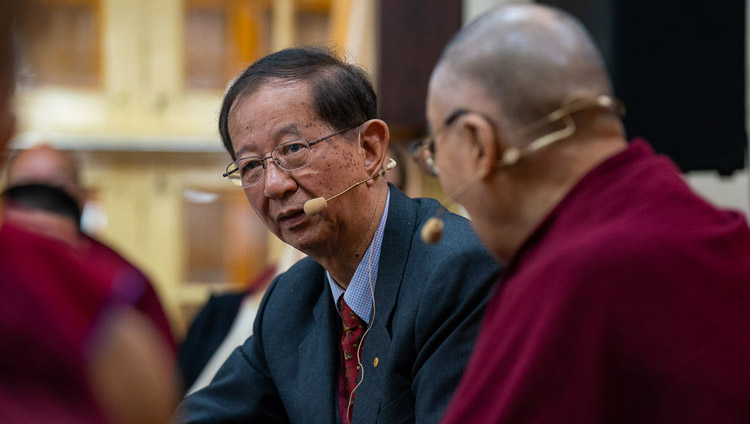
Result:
[[360, 293]]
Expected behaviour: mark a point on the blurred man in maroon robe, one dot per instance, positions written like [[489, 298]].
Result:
[[71, 352], [45, 195]]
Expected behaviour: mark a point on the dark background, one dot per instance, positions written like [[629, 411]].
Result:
[[679, 67]]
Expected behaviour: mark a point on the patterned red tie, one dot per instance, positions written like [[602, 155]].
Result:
[[354, 328]]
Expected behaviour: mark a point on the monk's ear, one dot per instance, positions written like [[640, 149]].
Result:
[[482, 142]]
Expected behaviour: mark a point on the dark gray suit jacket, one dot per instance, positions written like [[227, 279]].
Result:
[[429, 302]]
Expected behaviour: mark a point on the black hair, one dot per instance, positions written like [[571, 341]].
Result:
[[43, 197], [343, 95]]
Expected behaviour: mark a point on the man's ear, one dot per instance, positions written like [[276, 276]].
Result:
[[373, 138]]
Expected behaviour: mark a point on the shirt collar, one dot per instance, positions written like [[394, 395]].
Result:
[[359, 295]]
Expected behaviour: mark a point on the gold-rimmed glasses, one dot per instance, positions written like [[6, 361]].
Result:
[[423, 150], [289, 156]]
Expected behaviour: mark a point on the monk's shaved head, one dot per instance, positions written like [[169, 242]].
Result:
[[43, 164], [527, 59]]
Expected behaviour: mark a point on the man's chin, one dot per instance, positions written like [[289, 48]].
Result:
[[302, 241]]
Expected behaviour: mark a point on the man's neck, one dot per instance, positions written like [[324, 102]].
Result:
[[343, 261]]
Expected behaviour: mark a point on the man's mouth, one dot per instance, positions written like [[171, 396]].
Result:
[[291, 218]]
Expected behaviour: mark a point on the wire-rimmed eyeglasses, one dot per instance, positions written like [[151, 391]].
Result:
[[289, 156], [422, 150]]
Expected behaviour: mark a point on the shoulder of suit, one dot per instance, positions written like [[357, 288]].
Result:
[[300, 276]]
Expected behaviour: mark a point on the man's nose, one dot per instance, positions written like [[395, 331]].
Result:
[[277, 182]]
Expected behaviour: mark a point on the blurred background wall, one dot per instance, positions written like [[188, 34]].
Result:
[[133, 88]]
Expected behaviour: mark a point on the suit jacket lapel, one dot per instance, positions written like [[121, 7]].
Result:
[[399, 230], [318, 363]]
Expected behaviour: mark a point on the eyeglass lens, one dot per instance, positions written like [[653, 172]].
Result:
[[424, 154], [289, 156]]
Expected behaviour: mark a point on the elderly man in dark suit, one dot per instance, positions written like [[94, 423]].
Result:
[[375, 325]]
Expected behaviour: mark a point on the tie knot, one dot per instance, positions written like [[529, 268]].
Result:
[[349, 318]]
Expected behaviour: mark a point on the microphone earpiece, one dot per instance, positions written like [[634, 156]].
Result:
[[390, 165], [432, 230], [604, 101], [511, 156], [315, 206]]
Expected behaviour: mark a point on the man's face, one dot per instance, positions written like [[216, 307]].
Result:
[[282, 111]]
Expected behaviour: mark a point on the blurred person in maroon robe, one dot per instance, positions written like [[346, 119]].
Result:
[[71, 351], [38, 181]]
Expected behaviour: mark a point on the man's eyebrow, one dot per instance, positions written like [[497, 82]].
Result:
[[290, 129]]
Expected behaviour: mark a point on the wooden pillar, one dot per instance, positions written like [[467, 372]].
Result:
[[282, 24]]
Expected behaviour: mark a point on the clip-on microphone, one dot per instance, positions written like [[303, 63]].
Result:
[[432, 230], [315, 206]]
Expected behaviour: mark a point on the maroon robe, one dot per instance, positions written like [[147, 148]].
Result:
[[55, 301], [629, 303], [129, 284], [50, 303]]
